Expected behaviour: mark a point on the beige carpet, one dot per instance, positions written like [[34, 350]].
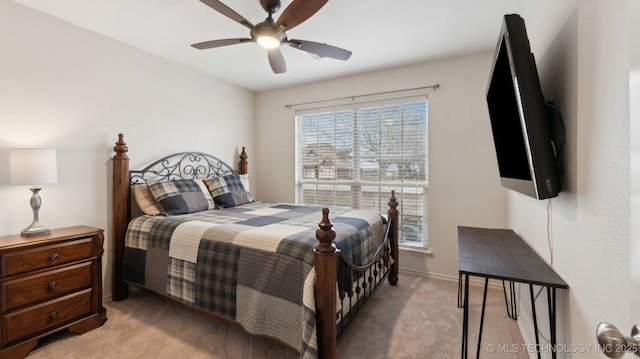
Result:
[[417, 319]]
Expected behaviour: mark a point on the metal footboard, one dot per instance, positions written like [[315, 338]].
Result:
[[368, 279]]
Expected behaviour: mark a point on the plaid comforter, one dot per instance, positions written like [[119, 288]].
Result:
[[252, 264]]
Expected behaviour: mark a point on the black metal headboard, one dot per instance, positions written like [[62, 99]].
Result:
[[183, 165]]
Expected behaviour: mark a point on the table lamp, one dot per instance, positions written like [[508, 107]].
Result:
[[35, 167]]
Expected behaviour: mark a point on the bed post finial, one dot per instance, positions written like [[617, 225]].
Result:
[[326, 277], [243, 166], [393, 204], [393, 216], [120, 148], [325, 235]]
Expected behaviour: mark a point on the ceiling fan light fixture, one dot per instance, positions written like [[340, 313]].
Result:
[[267, 35], [268, 41], [271, 34]]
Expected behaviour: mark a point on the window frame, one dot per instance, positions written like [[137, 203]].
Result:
[[357, 183]]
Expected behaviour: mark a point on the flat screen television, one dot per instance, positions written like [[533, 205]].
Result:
[[520, 116]]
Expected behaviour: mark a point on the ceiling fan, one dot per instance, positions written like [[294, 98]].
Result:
[[271, 34]]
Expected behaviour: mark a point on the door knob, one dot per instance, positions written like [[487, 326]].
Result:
[[614, 344]]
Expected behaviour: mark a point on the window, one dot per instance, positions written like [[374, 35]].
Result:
[[353, 155]]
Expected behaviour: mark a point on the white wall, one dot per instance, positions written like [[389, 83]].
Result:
[[634, 96], [68, 88], [585, 70], [634, 115], [464, 188]]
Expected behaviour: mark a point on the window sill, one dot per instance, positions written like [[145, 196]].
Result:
[[418, 251]]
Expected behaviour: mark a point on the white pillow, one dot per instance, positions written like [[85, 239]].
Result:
[[145, 200], [245, 183]]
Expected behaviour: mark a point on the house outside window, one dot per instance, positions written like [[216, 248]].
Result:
[[354, 154]]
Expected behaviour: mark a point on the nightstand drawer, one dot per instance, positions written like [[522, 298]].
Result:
[[47, 315], [47, 256], [43, 286]]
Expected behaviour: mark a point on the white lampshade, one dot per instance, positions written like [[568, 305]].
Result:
[[33, 166]]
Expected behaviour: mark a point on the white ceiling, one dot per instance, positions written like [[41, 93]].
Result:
[[380, 34]]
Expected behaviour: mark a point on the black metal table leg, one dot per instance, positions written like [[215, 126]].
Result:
[[551, 302], [465, 318], [460, 290], [535, 320], [506, 303], [514, 305], [510, 303], [484, 304]]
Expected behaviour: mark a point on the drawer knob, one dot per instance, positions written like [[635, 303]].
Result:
[[53, 315], [53, 256], [53, 285]]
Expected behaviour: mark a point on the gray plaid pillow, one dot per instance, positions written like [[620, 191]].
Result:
[[228, 191], [181, 196]]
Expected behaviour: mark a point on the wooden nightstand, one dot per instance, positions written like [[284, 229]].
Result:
[[49, 283]]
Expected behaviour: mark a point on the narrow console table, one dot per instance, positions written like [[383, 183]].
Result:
[[501, 254]]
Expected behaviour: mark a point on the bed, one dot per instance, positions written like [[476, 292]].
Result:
[[278, 270]]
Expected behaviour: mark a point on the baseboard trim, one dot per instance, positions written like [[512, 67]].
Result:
[[477, 281]]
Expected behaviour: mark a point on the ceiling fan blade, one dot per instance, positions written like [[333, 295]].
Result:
[[276, 60], [321, 50], [218, 43], [228, 12], [299, 11]]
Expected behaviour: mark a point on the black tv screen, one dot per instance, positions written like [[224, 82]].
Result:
[[519, 116]]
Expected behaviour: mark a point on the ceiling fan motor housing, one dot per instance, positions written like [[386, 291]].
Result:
[[268, 29], [270, 6]]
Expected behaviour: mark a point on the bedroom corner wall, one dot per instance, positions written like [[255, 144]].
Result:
[[634, 95], [464, 188], [634, 115], [585, 71], [65, 87]]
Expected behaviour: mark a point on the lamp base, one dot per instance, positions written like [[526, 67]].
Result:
[[35, 229]]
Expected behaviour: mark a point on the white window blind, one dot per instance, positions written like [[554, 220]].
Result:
[[353, 155]]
